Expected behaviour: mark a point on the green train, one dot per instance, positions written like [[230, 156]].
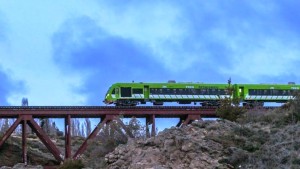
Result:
[[131, 94]]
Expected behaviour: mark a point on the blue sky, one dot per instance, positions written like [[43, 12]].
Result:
[[70, 52]]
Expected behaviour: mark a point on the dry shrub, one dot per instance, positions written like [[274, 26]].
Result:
[[72, 164], [228, 111]]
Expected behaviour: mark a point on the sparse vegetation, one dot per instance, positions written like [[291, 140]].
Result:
[[72, 164], [109, 138], [229, 108]]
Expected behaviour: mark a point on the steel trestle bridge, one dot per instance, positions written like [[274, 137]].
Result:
[[25, 115]]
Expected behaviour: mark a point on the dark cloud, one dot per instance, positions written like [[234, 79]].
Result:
[[8, 87], [105, 58]]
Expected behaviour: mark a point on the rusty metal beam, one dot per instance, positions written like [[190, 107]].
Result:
[[181, 120], [24, 141], [45, 139], [94, 133], [68, 137], [10, 130]]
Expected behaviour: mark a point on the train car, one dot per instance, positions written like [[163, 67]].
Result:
[[258, 94], [131, 94]]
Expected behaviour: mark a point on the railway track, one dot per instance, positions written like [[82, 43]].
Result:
[[112, 107]]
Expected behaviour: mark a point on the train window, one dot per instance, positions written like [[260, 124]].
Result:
[[137, 91], [258, 92], [267, 92], [213, 92], [193, 91], [125, 91], [221, 92], [113, 91], [203, 92], [168, 91], [283, 92], [274, 92], [180, 91], [252, 92], [152, 91]]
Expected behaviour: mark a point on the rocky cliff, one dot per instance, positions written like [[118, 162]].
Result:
[[213, 144], [186, 147]]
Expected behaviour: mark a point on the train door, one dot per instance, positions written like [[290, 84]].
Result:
[[241, 92]]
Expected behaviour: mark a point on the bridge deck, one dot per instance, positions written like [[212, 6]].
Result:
[[100, 111]]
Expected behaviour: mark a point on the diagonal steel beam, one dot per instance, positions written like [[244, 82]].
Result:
[[190, 118], [94, 133], [181, 120], [10, 130], [45, 139]]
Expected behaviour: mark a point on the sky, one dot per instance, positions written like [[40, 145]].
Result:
[[70, 52]]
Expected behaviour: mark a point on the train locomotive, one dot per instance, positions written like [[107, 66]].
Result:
[[131, 94]]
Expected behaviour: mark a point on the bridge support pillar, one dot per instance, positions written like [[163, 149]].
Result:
[[24, 141], [150, 120], [68, 137]]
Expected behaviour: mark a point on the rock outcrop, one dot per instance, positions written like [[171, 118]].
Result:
[[217, 144], [186, 147]]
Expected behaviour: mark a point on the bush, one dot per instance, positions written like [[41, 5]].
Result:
[[229, 107], [228, 111], [72, 164]]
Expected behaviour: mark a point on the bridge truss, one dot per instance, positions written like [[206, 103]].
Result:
[[25, 115]]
